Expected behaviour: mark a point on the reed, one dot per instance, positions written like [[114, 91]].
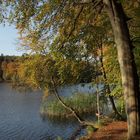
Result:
[[82, 103]]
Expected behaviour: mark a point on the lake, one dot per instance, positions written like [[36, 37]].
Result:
[[20, 118]]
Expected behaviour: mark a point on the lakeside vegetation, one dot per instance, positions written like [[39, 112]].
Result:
[[81, 102]]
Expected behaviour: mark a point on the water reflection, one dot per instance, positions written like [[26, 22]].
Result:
[[20, 118]]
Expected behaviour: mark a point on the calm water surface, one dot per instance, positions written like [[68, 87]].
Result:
[[20, 118]]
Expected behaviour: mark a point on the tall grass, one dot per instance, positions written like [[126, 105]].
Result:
[[82, 103]]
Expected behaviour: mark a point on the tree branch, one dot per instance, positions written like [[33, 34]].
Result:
[[93, 2], [64, 104], [80, 120], [75, 21]]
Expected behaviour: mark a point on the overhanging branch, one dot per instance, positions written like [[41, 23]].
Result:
[[75, 114]]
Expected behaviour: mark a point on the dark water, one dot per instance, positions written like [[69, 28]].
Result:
[[20, 118]]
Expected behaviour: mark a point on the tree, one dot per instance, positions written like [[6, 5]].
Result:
[[100, 40], [130, 81]]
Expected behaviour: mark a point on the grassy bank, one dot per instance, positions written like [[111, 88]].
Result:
[[82, 103]]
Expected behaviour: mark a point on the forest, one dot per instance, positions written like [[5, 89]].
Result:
[[78, 41]]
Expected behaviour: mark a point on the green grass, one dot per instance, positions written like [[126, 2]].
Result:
[[82, 103]]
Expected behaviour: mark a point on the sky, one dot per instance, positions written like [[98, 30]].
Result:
[[8, 41]]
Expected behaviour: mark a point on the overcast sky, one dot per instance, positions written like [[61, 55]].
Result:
[[8, 41]]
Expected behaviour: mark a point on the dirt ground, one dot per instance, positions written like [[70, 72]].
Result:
[[112, 131], [116, 130]]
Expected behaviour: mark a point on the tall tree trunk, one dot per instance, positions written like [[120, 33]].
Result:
[[130, 81]]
